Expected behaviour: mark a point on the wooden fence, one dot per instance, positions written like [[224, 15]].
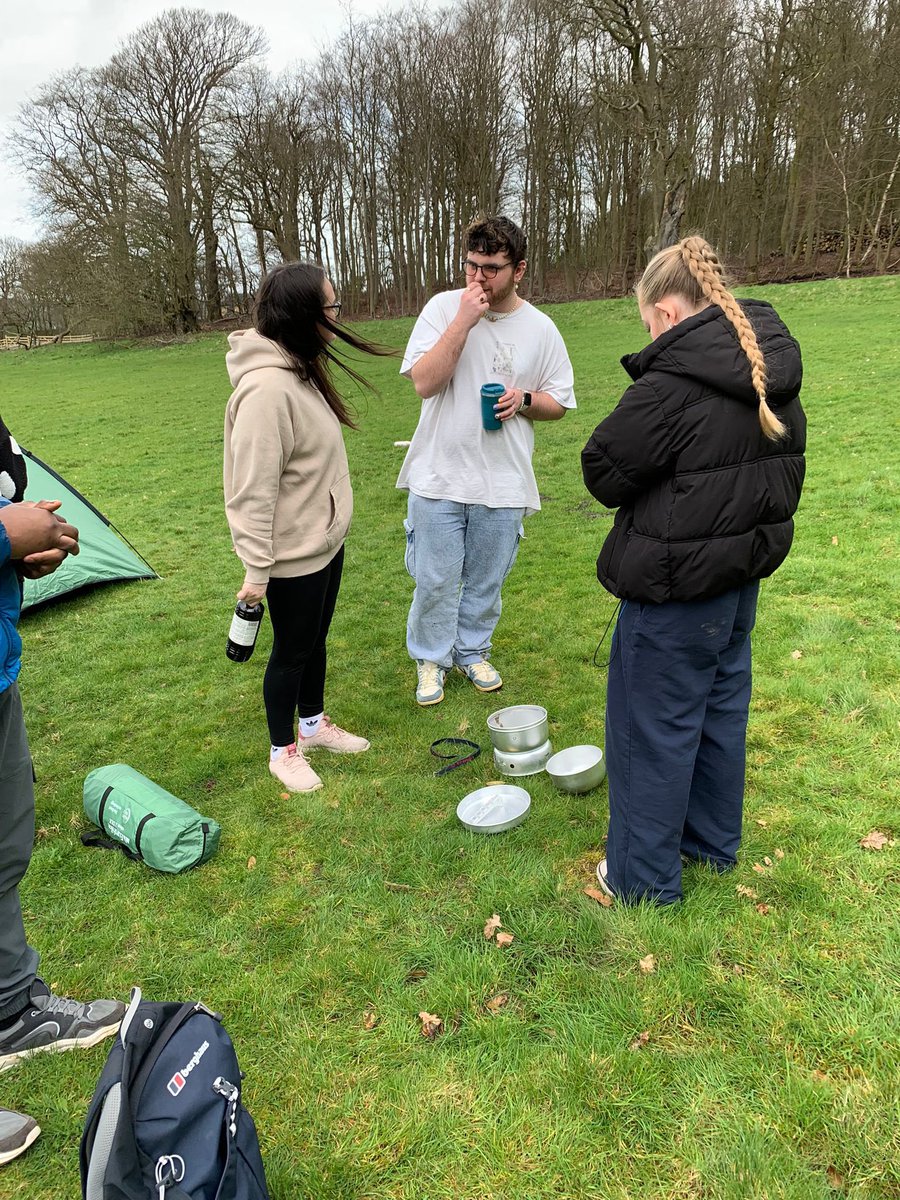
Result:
[[31, 343]]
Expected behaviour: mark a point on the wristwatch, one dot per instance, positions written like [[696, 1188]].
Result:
[[526, 400]]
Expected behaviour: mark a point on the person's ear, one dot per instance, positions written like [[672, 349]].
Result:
[[668, 311], [519, 271]]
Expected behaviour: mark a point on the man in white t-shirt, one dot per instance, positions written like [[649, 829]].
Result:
[[469, 487]]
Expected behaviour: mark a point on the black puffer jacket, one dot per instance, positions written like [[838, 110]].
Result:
[[705, 499]]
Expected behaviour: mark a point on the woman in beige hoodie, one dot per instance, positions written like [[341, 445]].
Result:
[[289, 502]]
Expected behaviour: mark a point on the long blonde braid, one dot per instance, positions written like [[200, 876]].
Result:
[[692, 269]]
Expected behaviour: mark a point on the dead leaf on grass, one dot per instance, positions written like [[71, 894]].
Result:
[[499, 1001], [251, 862], [834, 1177], [648, 964], [779, 854], [875, 840], [764, 824], [432, 1025], [415, 975], [397, 887], [745, 891], [505, 939], [370, 1018], [763, 908], [640, 1041], [796, 654], [600, 897], [737, 969], [463, 726], [834, 541], [759, 868], [491, 925], [820, 1076], [767, 861], [285, 795]]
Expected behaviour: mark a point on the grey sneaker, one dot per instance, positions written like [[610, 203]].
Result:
[[17, 1132], [430, 685], [602, 880], [485, 677], [57, 1023]]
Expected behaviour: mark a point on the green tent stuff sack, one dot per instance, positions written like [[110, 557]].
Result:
[[148, 823]]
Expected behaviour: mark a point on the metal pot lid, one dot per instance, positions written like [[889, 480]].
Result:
[[494, 808]]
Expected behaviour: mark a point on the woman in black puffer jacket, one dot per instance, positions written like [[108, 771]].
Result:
[[703, 457]]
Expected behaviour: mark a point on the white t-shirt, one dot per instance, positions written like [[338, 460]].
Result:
[[451, 456]]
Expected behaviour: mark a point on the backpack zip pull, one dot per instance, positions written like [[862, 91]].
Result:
[[169, 1170], [232, 1095]]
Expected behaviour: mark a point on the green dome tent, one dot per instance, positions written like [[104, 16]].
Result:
[[105, 557]]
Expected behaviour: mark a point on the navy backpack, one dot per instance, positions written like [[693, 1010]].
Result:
[[166, 1121]]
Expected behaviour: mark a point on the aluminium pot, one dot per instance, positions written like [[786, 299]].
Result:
[[577, 769], [522, 762], [519, 727]]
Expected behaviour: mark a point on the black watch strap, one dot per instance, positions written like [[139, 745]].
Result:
[[526, 399]]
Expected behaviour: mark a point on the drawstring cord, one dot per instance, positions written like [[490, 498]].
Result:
[[603, 666]]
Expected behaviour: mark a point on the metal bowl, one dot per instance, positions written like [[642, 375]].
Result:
[[577, 769], [519, 727], [494, 808], [522, 762]]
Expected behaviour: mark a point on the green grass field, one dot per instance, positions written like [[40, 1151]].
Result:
[[770, 1066]]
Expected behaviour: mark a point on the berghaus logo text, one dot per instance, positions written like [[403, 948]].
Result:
[[178, 1080]]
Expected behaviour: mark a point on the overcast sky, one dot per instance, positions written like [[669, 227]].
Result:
[[49, 36]]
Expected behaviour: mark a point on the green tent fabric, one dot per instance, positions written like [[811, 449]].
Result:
[[105, 557]]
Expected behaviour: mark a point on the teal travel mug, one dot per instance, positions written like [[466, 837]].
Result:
[[490, 394]]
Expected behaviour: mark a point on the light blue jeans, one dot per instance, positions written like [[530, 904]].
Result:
[[459, 556]]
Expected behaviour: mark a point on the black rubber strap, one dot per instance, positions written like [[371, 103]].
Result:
[[96, 837], [140, 829], [458, 759], [103, 800]]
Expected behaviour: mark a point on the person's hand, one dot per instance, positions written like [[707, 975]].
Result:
[[45, 562], [473, 304], [252, 593], [509, 403], [33, 528]]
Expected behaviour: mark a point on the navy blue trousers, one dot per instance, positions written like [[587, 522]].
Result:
[[677, 703]]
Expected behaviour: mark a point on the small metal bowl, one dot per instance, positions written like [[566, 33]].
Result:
[[522, 762], [578, 769], [494, 808], [519, 727]]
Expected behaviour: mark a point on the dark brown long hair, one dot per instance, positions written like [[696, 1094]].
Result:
[[290, 310]]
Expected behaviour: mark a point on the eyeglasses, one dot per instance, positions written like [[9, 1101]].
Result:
[[488, 270], [335, 308]]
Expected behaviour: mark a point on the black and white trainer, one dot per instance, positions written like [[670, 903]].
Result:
[[17, 1132], [56, 1023]]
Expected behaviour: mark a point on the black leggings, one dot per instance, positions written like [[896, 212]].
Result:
[[301, 609]]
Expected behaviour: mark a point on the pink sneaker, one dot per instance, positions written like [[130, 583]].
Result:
[[331, 737], [292, 769]]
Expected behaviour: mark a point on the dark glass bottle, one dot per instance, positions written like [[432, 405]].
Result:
[[244, 630]]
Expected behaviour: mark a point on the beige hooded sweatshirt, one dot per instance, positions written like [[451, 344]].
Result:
[[287, 484]]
